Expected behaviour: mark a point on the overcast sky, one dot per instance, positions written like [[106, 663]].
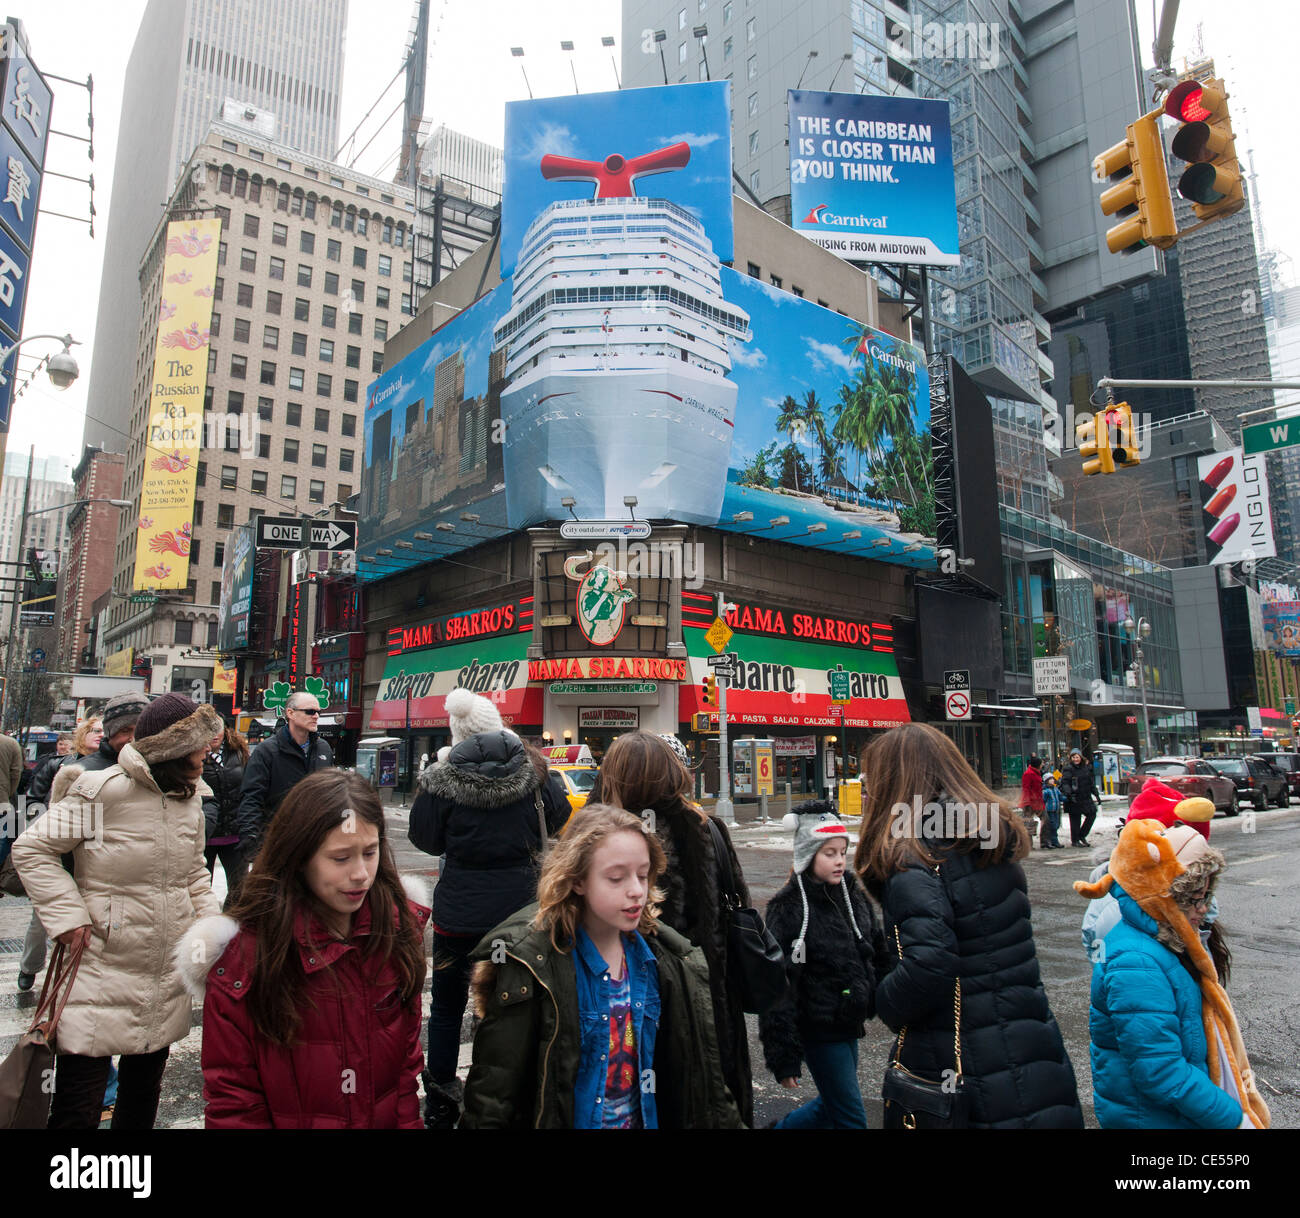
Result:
[[471, 76]]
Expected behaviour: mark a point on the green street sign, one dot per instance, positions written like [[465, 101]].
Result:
[[1290, 706], [1265, 437], [840, 685], [143, 598]]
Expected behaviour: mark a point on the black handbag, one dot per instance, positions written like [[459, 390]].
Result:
[[913, 1102], [755, 961]]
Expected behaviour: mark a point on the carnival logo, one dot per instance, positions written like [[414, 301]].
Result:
[[814, 216], [602, 598]]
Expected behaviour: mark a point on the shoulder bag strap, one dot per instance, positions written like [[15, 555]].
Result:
[[541, 816], [956, 1010], [727, 880], [59, 980]]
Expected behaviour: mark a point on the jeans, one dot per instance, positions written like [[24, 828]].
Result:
[[34, 943], [834, 1068], [80, 1082], [1047, 833], [449, 993], [232, 863]]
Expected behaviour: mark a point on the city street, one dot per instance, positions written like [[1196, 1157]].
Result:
[[1260, 906]]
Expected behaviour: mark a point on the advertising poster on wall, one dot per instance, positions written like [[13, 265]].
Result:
[[174, 433], [622, 359], [236, 589], [1281, 621], [1235, 507], [871, 177]]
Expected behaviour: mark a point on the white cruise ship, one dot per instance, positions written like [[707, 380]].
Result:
[[617, 365]]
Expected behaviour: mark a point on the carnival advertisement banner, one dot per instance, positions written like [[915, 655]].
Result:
[[1235, 509], [236, 589], [871, 177], [174, 435], [1281, 620]]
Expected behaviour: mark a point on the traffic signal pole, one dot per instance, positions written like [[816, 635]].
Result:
[[724, 808]]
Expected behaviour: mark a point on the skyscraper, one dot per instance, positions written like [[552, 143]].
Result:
[[280, 57]]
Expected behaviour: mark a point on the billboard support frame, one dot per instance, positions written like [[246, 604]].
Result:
[[913, 302]]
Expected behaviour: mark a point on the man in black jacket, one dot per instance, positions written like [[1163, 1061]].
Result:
[[276, 765], [1079, 790], [39, 788]]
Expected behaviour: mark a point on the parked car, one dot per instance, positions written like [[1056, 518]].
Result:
[[1256, 781], [1289, 764], [1189, 776]]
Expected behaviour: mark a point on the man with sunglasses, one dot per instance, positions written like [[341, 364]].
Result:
[[280, 761]]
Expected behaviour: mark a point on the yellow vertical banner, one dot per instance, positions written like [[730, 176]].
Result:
[[174, 437], [223, 680]]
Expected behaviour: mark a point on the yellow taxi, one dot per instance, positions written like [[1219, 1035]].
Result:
[[577, 770]]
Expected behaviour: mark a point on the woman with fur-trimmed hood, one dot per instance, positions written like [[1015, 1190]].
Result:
[[481, 806], [1166, 1049]]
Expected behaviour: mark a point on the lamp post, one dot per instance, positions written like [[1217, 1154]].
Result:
[[1144, 632], [22, 542]]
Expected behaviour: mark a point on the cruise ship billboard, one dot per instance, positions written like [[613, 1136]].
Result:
[[871, 177]]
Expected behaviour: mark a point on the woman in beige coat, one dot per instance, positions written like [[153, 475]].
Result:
[[135, 831]]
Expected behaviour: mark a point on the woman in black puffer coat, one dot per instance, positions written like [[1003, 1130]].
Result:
[[223, 771], [478, 806], [942, 857]]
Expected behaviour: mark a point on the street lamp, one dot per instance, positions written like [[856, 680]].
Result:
[[22, 543], [62, 368], [1144, 632]]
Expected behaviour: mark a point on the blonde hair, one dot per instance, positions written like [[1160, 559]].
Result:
[[79, 740], [568, 860]]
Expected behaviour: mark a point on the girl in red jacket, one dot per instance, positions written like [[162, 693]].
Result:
[[311, 1017]]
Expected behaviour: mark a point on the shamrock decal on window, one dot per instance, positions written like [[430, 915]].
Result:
[[276, 696], [316, 687]]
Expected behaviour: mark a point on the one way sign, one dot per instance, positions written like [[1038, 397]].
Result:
[[285, 533]]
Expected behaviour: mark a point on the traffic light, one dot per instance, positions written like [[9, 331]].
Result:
[[1139, 191], [1119, 423], [1093, 440], [1205, 140], [710, 684]]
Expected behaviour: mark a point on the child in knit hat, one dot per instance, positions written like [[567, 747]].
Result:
[[834, 951]]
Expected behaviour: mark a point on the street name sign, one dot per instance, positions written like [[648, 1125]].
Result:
[[1265, 437], [285, 533]]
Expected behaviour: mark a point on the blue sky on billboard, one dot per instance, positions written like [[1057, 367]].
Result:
[[871, 178], [629, 124]]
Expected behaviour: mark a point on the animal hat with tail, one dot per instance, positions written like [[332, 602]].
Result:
[[1145, 863]]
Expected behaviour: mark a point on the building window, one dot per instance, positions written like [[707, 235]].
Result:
[[345, 460], [322, 419], [222, 251], [214, 326], [216, 600], [288, 486], [304, 275], [265, 409], [225, 515], [354, 323], [279, 234], [349, 391], [359, 256], [307, 241], [298, 344], [251, 225], [271, 337], [354, 357], [258, 480], [754, 271], [301, 309], [264, 445], [324, 384], [319, 455], [753, 181], [381, 329], [751, 68], [229, 477], [291, 452], [293, 414], [798, 291], [239, 366], [336, 216], [406, 304], [241, 329], [333, 250], [277, 268], [681, 52], [327, 350], [248, 260], [218, 288], [234, 402], [385, 265], [201, 474], [726, 13], [268, 373], [194, 553], [309, 206], [753, 105], [331, 284], [751, 29], [273, 303], [359, 291], [296, 377], [328, 316], [345, 492], [753, 143], [184, 632], [244, 296], [316, 491], [381, 297], [377, 362], [349, 425], [776, 281]]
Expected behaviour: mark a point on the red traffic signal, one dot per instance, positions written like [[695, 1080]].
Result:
[[1212, 181]]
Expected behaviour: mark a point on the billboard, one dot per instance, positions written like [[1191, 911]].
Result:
[[1235, 507], [174, 435], [871, 177], [236, 589], [622, 360], [1281, 621]]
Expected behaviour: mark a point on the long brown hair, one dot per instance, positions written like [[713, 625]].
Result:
[[233, 742], [275, 892], [904, 770], [559, 907], [640, 770]]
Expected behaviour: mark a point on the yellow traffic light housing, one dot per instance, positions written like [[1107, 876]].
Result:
[[1094, 445], [710, 695], [1213, 180], [1119, 423], [1140, 189]]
